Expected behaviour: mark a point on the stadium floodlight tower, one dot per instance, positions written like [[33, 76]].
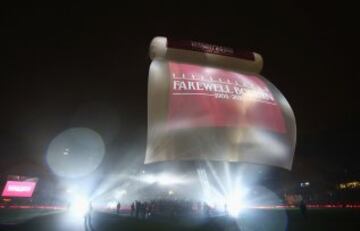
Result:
[[209, 103]]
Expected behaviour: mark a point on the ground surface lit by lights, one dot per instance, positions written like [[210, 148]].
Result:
[[321, 217]]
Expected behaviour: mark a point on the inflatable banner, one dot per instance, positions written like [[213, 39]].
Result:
[[207, 102]]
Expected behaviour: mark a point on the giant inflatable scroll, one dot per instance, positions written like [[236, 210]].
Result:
[[207, 102]]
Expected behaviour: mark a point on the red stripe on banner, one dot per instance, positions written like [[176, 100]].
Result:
[[210, 97]]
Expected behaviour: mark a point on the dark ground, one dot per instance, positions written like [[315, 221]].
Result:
[[318, 219]]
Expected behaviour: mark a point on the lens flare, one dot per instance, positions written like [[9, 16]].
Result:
[[76, 152]]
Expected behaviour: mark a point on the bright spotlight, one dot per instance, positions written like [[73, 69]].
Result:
[[168, 180], [235, 202], [119, 194], [165, 180], [234, 209], [150, 179], [162, 179], [80, 206], [111, 204]]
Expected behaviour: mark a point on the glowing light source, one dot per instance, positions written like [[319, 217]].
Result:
[[168, 180], [120, 194], [351, 185], [80, 206], [235, 202], [162, 179], [150, 179], [304, 184], [111, 204]]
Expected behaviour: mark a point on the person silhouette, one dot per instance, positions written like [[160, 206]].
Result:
[[303, 208], [132, 209], [88, 217], [118, 206]]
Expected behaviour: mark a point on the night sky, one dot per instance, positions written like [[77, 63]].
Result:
[[80, 67]]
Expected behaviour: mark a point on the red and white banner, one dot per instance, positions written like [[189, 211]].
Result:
[[19, 189], [210, 97]]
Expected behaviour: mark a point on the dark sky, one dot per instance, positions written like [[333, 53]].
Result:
[[62, 64]]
